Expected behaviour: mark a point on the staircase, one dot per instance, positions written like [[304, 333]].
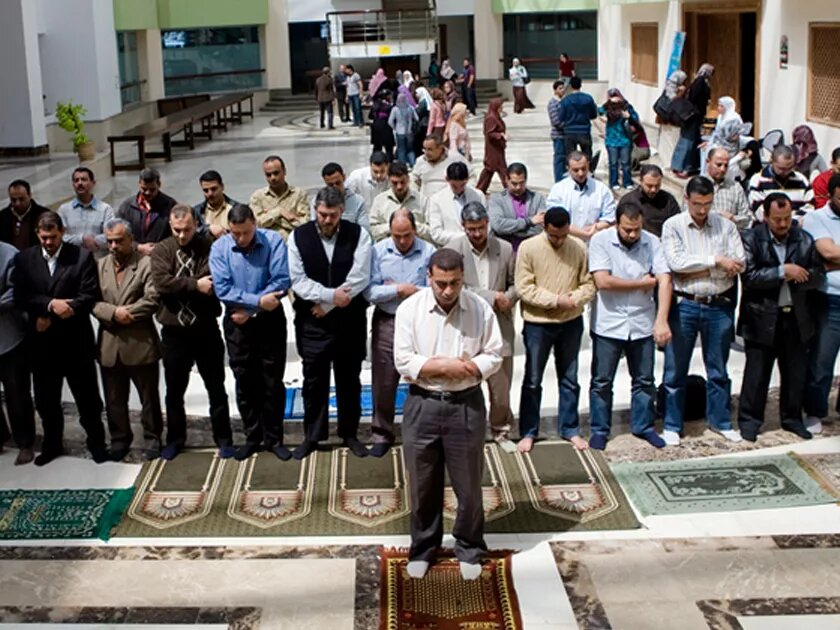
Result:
[[283, 101]]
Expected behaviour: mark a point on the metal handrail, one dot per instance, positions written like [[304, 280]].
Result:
[[377, 25]]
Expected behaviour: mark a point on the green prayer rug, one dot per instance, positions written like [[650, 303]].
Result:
[[719, 485], [333, 493], [41, 514]]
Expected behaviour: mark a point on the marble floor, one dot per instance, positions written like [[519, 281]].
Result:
[[767, 569]]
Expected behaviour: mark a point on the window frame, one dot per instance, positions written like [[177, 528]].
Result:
[[809, 115], [633, 58]]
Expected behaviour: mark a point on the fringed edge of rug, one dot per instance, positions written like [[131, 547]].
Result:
[[114, 511], [815, 474]]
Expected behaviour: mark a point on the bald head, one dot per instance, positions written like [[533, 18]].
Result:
[[403, 229]]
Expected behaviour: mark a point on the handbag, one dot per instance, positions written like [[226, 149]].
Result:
[[662, 107]]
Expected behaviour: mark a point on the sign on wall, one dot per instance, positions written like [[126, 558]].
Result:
[[675, 60]]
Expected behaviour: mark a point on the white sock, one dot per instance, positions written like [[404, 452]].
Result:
[[813, 424], [417, 568], [672, 438], [731, 434], [470, 571]]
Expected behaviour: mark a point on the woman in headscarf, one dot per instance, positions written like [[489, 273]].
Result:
[[808, 158], [676, 86], [437, 114], [403, 120], [495, 142], [621, 117], [406, 91], [376, 82], [518, 76], [424, 102], [381, 134], [408, 78], [451, 96], [727, 134], [447, 72], [456, 134], [686, 159]]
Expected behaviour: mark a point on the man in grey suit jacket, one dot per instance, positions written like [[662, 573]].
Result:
[[516, 213], [488, 272], [129, 346]]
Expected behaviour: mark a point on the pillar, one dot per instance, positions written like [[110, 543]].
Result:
[[488, 27], [150, 61], [275, 47]]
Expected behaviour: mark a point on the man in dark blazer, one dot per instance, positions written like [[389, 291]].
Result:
[[148, 212], [18, 219], [783, 271], [517, 212], [56, 284]]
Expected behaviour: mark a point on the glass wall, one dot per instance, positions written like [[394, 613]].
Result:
[[130, 84], [539, 38], [211, 60]]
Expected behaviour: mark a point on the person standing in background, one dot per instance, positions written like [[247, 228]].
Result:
[[495, 142], [325, 95], [341, 93], [518, 79]]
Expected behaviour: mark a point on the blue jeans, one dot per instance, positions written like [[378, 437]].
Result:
[[606, 354], [620, 156], [356, 106], [540, 340], [559, 158], [825, 344], [405, 149], [715, 324], [686, 157]]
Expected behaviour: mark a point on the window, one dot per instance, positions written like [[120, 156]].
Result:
[[644, 53], [823, 74], [130, 82]]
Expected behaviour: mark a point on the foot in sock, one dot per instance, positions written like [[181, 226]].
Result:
[[48, 455], [671, 438], [417, 568], [650, 437], [598, 441], [379, 449], [357, 447], [813, 425], [170, 451], [470, 571], [730, 434], [243, 452], [304, 449], [25, 456], [100, 455], [797, 428], [282, 453], [118, 454]]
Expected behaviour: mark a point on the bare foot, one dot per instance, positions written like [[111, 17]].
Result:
[[579, 443], [525, 445], [25, 456]]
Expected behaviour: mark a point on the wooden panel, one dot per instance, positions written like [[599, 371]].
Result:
[[706, 37], [644, 53], [823, 73]]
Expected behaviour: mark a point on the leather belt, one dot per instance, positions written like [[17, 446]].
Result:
[[709, 300], [416, 390]]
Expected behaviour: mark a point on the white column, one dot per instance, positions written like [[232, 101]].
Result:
[[22, 124], [150, 62], [275, 46], [489, 33]]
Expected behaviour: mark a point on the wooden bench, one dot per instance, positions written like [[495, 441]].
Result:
[[193, 116]]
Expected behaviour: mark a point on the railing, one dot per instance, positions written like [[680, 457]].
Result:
[[131, 92], [374, 27], [226, 81], [546, 67]]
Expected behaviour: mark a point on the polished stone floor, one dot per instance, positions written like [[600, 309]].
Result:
[[765, 569]]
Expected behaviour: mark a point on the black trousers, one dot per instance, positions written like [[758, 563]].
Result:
[[257, 354], [200, 345], [582, 140], [17, 386], [328, 108], [338, 343], [792, 355], [343, 109], [51, 366], [469, 98]]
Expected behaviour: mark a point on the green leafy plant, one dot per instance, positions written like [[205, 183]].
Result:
[[69, 117]]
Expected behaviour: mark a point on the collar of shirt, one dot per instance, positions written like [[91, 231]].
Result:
[[332, 238], [255, 243], [406, 199], [270, 193], [581, 187], [432, 304], [55, 256], [415, 248], [832, 212], [142, 203], [616, 242], [91, 205]]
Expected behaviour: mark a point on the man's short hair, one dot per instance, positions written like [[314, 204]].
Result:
[[21, 183], [211, 176], [398, 169], [474, 211], [649, 169], [403, 212], [112, 224], [85, 170], [518, 168], [833, 183], [576, 156], [576, 83], [49, 220], [349, 66], [149, 175], [435, 137], [713, 152], [779, 198], [329, 197], [275, 158], [631, 210], [557, 84], [557, 217], [240, 213], [331, 168], [180, 211], [446, 259], [379, 158], [699, 185], [782, 151], [835, 155], [457, 172]]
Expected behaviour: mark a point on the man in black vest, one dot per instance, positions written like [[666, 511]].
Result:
[[329, 266], [783, 272]]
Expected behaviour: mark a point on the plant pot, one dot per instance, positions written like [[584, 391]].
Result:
[[86, 152]]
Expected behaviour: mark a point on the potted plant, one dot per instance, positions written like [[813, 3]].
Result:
[[69, 118]]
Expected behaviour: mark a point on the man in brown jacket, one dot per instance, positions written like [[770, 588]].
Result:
[[129, 346], [325, 95]]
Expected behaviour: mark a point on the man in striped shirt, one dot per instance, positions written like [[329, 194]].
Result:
[[705, 253], [781, 176]]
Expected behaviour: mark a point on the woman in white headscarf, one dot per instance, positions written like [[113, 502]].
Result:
[[518, 78], [727, 134]]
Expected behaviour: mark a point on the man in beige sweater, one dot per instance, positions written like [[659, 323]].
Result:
[[554, 284]]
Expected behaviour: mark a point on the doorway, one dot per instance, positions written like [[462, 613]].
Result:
[[725, 35]]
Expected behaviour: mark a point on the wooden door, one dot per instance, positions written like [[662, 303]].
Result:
[[715, 38]]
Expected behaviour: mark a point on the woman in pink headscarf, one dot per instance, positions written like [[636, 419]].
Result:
[[376, 82]]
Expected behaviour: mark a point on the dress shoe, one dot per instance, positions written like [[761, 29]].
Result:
[[797, 428], [100, 455], [379, 449], [356, 447], [170, 451], [749, 436], [46, 456], [304, 449], [243, 452], [118, 454], [283, 454]]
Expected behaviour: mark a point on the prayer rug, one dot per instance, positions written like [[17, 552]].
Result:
[[443, 600], [41, 514], [824, 468], [333, 493], [719, 485], [294, 401]]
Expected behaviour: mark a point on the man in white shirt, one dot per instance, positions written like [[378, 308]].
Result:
[[370, 180], [590, 203], [355, 209], [329, 266], [85, 216], [445, 205], [399, 195], [355, 92], [446, 342], [429, 172]]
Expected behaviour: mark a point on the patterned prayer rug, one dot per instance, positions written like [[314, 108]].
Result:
[[331, 492], [719, 485], [41, 514], [824, 468], [294, 401], [443, 600]]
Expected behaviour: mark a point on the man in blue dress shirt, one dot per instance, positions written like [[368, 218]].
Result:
[[399, 269], [250, 274]]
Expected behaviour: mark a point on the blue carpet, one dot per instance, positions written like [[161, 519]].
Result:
[[294, 401]]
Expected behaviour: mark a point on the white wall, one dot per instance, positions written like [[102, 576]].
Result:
[[784, 92], [457, 7], [457, 40], [316, 10]]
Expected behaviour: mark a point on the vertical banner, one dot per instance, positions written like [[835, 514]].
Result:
[[676, 53]]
